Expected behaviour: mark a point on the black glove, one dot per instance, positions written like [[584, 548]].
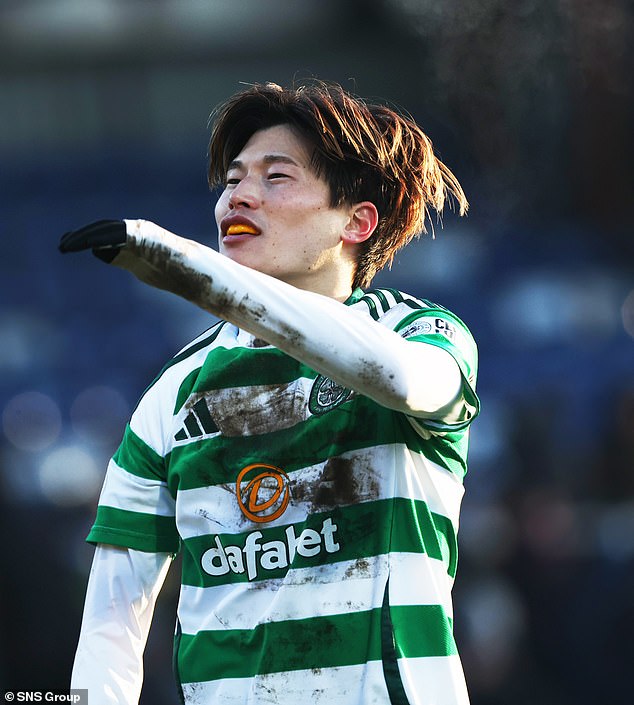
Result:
[[105, 237]]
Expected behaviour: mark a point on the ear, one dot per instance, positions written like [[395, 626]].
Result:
[[364, 218]]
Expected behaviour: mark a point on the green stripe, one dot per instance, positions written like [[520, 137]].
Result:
[[396, 294], [382, 300], [355, 296], [413, 304], [431, 304], [320, 642], [371, 306], [368, 529], [136, 456], [448, 541], [422, 631], [143, 532], [448, 451], [417, 530], [356, 424], [226, 368]]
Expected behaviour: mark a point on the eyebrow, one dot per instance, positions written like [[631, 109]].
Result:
[[266, 159]]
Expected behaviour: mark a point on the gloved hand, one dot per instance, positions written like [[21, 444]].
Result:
[[154, 255], [105, 237]]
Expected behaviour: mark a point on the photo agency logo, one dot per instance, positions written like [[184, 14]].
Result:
[[77, 696]]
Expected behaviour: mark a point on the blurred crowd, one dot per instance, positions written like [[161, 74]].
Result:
[[532, 108]]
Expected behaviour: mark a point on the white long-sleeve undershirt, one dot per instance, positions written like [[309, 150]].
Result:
[[122, 590]]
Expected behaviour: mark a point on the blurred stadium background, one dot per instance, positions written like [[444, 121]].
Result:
[[103, 114]]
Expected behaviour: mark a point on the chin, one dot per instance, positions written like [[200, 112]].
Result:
[[242, 258]]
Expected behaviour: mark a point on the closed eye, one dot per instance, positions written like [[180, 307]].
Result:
[[278, 175]]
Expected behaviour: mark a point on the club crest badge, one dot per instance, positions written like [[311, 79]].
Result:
[[325, 395]]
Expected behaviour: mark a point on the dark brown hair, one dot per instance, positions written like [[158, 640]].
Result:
[[365, 152]]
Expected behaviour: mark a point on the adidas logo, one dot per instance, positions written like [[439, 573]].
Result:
[[197, 423]]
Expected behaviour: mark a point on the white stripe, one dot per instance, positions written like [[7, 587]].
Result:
[[123, 490], [395, 315], [214, 509], [245, 411], [417, 579], [347, 586], [391, 299], [148, 420], [434, 680], [431, 483], [346, 685], [339, 588]]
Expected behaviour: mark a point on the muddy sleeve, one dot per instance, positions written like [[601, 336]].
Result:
[[331, 338]]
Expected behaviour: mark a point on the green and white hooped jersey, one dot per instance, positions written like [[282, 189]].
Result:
[[318, 529]]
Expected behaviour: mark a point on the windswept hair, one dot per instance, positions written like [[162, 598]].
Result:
[[365, 152]]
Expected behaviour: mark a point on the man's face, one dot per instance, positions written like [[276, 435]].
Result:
[[274, 214]]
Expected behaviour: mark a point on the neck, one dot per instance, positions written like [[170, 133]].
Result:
[[339, 293], [335, 284]]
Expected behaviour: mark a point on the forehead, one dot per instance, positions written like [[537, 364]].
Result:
[[277, 143]]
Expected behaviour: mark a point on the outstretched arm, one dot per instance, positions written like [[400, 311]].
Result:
[[418, 379], [120, 599]]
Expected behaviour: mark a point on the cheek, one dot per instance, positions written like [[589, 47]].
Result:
[[221, 208]]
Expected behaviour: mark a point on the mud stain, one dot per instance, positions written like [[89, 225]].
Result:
[[340, 482], [258, 343], [161, 267], [359, 569], [337, 484], [252, 411]]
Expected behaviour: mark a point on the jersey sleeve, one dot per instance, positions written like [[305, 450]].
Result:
[[136, 508], [440, 327]]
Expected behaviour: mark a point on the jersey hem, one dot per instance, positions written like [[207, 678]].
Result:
[[135, 541]]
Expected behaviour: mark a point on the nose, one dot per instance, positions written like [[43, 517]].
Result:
[[243, 195]]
